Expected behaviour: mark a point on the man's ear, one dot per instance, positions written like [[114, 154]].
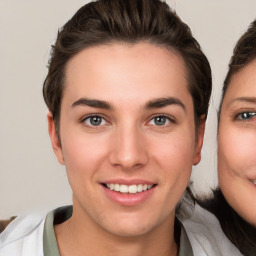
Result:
[[199, 140], [56, 144]]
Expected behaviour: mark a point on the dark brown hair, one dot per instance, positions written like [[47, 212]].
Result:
[[241, 233], [243, 54], [130, 21]]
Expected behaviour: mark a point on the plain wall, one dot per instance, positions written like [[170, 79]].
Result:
[[30, 176]]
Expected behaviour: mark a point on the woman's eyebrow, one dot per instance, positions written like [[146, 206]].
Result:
[[163, 102], [243, 99], [92, 103]]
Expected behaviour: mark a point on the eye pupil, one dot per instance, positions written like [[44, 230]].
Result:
[[95, 120], [245, 115], [160, 120]]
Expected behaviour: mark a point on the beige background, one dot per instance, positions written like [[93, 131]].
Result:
[[30, 177]]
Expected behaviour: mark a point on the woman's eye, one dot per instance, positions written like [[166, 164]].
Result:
[[95, 121], [246, 115], [159, 120]]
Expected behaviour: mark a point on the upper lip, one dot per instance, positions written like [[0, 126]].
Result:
[[128, 181]]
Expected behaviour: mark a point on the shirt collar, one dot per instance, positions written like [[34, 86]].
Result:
[[62, 214]]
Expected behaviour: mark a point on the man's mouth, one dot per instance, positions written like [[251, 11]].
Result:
[[129, 189]]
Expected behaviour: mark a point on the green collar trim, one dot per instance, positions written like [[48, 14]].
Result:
[[57, 216], [62, 214], [185, 246]]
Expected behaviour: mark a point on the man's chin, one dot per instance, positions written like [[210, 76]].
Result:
[[130, 228]]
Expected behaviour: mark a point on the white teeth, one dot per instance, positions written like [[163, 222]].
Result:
[[132, 189], [116, 187], [150, 186], [140, 188], [123, 189], [254, 182]]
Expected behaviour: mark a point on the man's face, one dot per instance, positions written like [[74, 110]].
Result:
[[127, 137]]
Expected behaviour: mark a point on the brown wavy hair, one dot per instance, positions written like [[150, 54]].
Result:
[[130, 21]]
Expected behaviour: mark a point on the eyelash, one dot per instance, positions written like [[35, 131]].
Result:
[[250, 114], [169, 118], [94, 116]]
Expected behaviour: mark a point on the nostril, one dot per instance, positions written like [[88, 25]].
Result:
[[128, 148], [129, 160]]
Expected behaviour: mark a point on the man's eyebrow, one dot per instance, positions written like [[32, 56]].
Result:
[[163, 102], [92, 103], [243, 99]]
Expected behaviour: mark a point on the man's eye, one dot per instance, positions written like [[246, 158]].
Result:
[[159, 120], [95, 121], [246, 115]]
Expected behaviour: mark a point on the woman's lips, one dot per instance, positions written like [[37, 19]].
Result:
[[253, 182], [128, 193]]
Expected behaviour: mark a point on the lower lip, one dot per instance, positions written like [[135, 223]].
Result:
[[252, 184], [126, 199]]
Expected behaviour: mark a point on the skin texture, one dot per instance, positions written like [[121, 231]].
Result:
[[128, 145], [236, 143]]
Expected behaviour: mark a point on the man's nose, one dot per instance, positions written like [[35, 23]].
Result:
[[129, 148]]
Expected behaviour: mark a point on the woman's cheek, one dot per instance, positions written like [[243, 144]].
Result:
[[237, 149]]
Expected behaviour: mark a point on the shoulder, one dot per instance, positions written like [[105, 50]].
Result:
[[204, 231], [23, 236]]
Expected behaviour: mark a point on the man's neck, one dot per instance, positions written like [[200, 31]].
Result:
[[81, 238]]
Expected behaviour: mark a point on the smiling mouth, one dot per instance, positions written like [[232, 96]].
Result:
[[129, 189], [253, 182]]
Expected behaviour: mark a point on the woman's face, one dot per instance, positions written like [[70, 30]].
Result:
[[237, 143]]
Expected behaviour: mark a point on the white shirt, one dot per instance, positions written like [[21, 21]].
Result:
[[204, 231], [23, 237]]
